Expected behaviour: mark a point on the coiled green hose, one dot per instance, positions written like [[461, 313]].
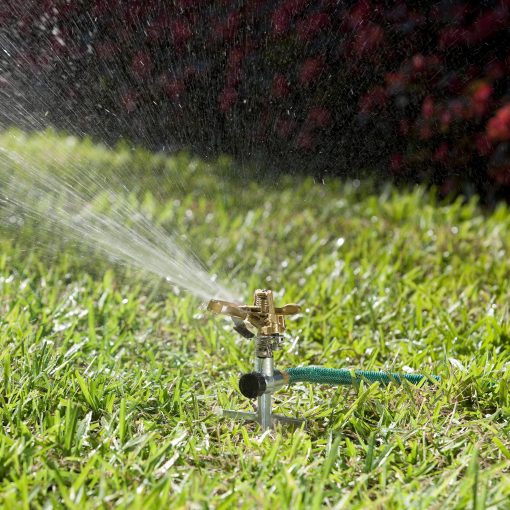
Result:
[[337, 376]]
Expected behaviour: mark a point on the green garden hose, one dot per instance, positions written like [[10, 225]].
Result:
[[255, 384], [337, 376]]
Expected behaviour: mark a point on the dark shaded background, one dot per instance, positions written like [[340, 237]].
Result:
[[411, 91]]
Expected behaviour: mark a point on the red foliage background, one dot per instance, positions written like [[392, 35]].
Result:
[[413, 91]]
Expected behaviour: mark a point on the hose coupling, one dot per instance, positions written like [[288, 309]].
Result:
[[255, 384]]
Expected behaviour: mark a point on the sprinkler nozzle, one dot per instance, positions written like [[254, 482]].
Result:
[[267, 319]]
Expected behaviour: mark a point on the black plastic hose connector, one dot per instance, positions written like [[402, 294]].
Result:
[[252, 385]]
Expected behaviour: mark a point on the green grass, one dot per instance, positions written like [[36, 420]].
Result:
[[110, 382]]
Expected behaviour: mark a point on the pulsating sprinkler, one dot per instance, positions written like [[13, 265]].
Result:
[[269, 323]]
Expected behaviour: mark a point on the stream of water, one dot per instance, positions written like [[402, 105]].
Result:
[[122, 232]]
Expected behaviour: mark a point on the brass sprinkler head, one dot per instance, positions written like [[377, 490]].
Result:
[[267, 319]]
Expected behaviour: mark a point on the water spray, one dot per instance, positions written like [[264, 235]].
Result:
[[268, 321]]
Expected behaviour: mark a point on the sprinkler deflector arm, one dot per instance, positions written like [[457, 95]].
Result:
[[255, 384]]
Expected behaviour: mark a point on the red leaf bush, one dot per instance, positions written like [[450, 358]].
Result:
[[410, 91]]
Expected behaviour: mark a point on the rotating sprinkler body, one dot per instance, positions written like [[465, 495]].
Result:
[[268, 322]]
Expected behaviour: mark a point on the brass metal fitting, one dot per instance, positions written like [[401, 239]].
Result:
[[267, 319]]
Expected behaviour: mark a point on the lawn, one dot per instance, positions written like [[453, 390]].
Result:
[[111, 381]]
